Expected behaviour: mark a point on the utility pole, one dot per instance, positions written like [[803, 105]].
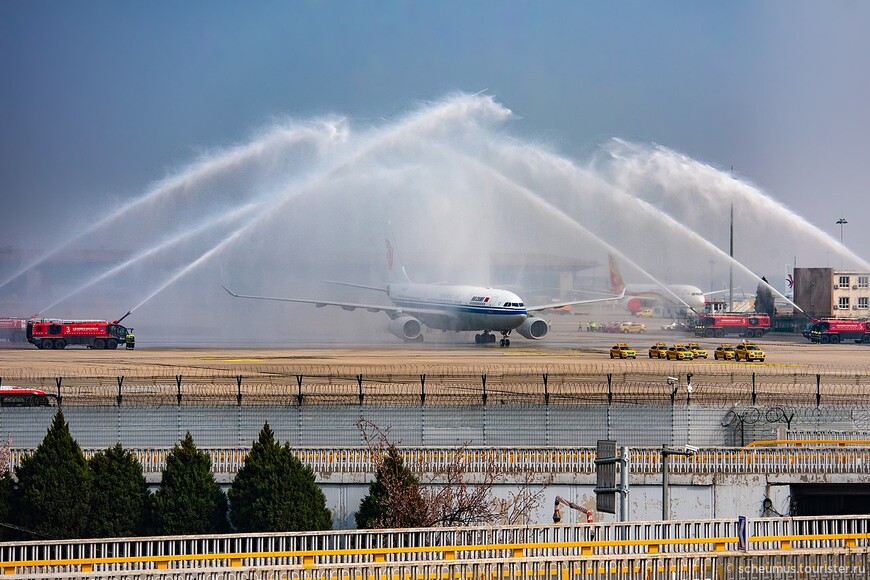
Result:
[[731, 264]]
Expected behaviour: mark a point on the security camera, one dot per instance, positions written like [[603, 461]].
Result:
[[673, 380], [692, 449], [689, 388]]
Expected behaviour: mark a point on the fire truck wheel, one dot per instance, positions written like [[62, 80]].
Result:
[[99, 343], [866, 338], [46, 345], [835, 339], [59, 344], [111, 344], [720, 333], [825, 339]]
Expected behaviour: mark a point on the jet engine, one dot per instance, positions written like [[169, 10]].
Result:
[[534, 328], [634, 305], [405, 327]]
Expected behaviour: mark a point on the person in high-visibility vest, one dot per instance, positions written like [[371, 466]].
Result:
[[131, 340]]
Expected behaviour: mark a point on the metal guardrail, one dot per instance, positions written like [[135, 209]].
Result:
[[517, 460], [586, 546]]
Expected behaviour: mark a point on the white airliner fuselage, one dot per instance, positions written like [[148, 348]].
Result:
[[461, 307]]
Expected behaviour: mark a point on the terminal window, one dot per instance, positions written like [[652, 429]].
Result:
[[843, 303], [862, 281], [844, 281], [862, 302]]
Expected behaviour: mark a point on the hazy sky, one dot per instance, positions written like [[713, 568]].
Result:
[[101, 98]]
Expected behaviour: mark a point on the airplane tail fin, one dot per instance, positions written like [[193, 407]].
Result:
[[616, 283], [395, 270]]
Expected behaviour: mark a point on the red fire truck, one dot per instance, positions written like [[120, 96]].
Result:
[[13, 329], [750, 325], [22, 397], [834, 331], [47, 333]]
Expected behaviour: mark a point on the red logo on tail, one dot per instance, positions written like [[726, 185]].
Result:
[[389, 254]]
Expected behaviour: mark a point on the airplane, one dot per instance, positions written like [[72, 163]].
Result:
[[446, 307], [640, 296]]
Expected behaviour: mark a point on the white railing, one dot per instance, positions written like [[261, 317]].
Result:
[[544, 460], [333, 550]]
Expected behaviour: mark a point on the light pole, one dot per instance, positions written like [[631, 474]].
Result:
[[841, 222]]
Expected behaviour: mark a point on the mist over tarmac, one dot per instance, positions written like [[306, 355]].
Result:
[[308, 201]]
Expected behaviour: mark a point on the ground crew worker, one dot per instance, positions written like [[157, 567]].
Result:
[[131, 340]]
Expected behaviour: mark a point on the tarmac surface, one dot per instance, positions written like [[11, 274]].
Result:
[[565, 349]]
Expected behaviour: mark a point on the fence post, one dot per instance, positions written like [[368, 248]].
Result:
[[239, 391], [299, 392], [818, 391], [359, 380], [58, 381], [120, 396], [422, 389], [754, 395], [483, 381], [609, 388], [546, 390], [178, 382]]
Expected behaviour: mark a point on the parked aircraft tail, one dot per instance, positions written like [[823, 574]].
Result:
[[616, 284]]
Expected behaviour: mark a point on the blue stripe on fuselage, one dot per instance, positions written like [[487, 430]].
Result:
[[462, 308]]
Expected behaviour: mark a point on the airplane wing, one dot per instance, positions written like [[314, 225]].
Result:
[[573, 302], [392, 311], [721, 291]]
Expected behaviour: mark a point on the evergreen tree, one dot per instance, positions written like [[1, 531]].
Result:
[[189, 500], [394, 499], [274, 492], [120, 499], [7, 487], [53, 495]]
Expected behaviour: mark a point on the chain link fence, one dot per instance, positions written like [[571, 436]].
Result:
[[728, 406]]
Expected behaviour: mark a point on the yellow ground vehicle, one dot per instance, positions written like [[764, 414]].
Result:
[[725, 352], [622, 350], [658, 350], [748, 352], [697, 350], [632, 327], [679, 352], [645, 313]]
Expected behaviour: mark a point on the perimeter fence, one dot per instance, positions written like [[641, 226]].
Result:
[[711, 384], [726, 406]]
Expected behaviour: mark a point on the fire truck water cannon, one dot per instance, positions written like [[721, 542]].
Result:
[[557, 513]]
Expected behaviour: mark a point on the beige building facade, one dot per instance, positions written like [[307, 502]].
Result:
[[830, 293]]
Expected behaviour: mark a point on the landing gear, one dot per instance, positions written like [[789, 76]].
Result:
[[486, 338], [505, 341], [489, 338]]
